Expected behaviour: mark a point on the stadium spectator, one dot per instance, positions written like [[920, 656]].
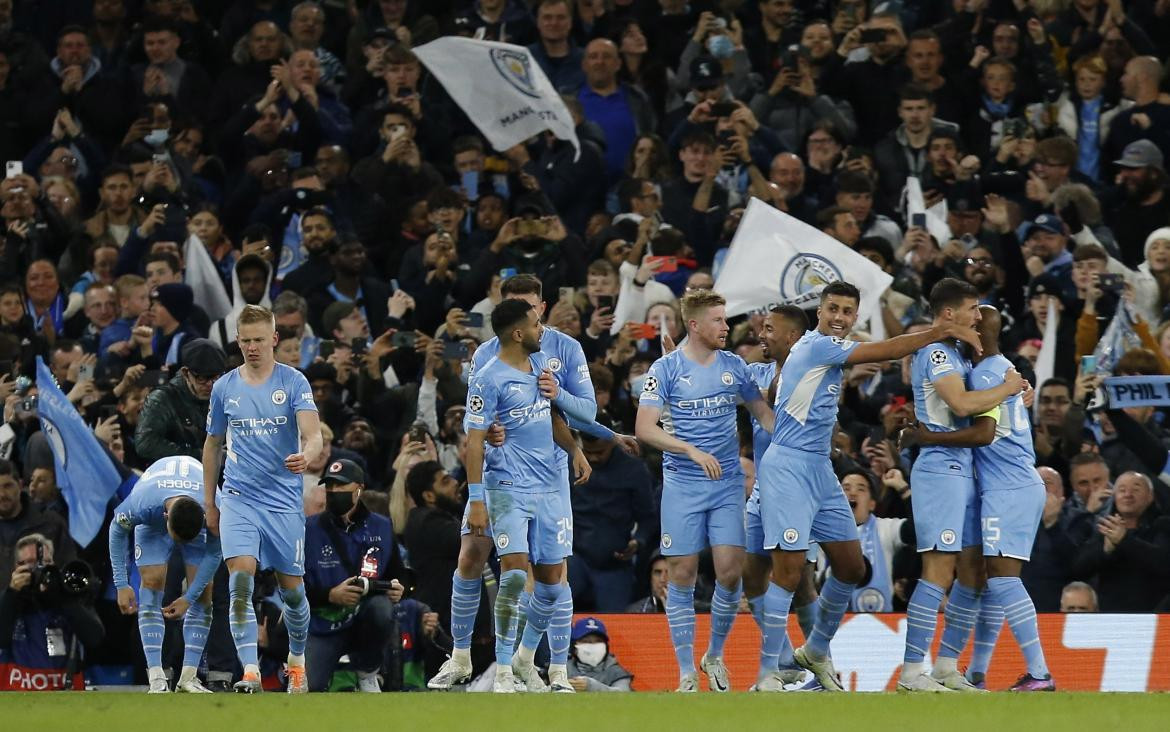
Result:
[[591, 665], [1078, 597]]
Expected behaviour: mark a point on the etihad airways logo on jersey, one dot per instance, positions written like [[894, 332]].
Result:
[[711, 402], [257, 426], [538, 410]]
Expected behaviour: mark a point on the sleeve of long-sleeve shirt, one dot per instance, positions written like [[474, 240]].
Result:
[[428, 390], [212, 556]]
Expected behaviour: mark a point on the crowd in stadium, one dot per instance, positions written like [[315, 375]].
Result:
[[171, 163]]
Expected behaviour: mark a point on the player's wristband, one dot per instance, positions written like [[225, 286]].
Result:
[[475, 491]]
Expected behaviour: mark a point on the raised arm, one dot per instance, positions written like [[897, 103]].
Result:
[[903, 345]]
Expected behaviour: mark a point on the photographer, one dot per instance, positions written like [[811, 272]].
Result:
[[43, 611], [349, 553]]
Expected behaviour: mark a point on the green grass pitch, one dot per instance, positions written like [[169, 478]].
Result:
[[598, 712]]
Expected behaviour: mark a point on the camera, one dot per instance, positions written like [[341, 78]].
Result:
[[75, 579], [368, 585]]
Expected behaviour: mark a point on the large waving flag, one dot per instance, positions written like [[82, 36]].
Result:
[[777, 259], [203, 279], [85, 474], [500, 87]]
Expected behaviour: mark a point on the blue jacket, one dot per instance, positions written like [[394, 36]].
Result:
[[324, 569]]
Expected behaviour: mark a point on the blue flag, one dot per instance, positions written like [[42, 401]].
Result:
[[85, 474]]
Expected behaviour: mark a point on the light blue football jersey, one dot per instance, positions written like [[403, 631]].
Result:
[[934, 362], [526, 463], [762, 373], [180, 475], [260, 425], [806, 398], [1010, 460], [567, 363], [697, 406]]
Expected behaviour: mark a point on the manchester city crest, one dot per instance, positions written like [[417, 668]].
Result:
[[516, 68], [805, 275]]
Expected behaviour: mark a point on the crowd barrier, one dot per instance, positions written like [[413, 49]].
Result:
[[1085, 652]]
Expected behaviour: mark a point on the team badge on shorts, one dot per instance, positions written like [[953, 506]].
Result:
[[666, 541], [137, 552], [554, 364], [727, 378], [790, 536], [279, 397], [502, 541], [869, 600], [475, 403], [947, 537]]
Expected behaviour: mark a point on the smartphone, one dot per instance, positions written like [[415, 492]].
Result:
[[359, 346], [470, 183], [85, 372], [393, 286], [642, 330], [1089, 363], [605, 301], [404, 339], [723, 109], [877, 435], [530, 227], [403, 92], [873, 35], [507, 272], [669, 264], [418, 432], [14, 168], [473, 320], [107, 411], [1111, 282], [455, 349], [918, 220], [567, 293], [152, 378], [28, 405], [326, 349]]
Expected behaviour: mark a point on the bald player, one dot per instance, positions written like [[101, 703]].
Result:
[[1011, 499]]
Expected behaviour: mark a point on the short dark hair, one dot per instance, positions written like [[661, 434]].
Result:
[[171, 260], [522, 284], [507, 315], [1086, 458], [467, 143], [115, 170], [792, 314], [252, 262], [950, 292], [7, 468], [913, 92], [841, 288], [877, 244], [697, 136], [398, 110], [627, 191], [319, 211], [1055, 381], [420, 478], [827, 217], [156, 24], [185, 517], [444, 197]]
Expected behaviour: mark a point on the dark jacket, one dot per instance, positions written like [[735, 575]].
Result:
[[1135, 576], [172, 422], [606, 510], [32, 520], [432, 541], [334, 552]]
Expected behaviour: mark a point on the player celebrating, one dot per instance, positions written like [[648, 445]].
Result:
[[265, 411], [1011, 497], [693, 391], [517, 490], [783, 327], [800, 498], [946, 510], [574, 395], [164, 509]]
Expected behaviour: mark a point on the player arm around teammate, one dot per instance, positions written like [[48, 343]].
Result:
[[979, 434]]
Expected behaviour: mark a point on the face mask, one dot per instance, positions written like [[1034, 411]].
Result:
[[637, 383], [339, 503], [464, 371], [156, 138], [720, 46], [591, 654]]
